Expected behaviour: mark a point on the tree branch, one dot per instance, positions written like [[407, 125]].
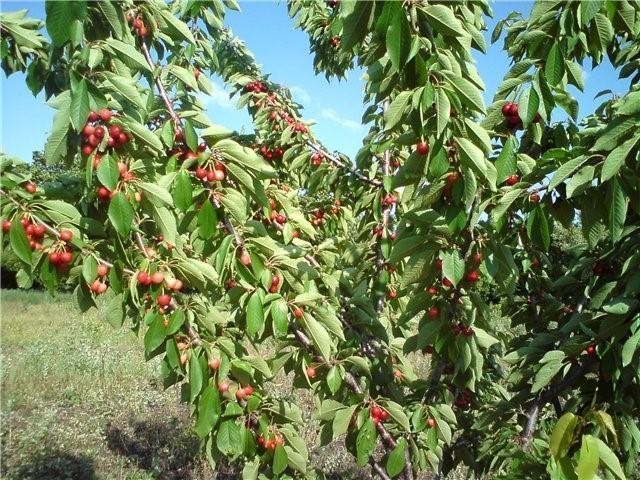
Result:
[[338, 163]]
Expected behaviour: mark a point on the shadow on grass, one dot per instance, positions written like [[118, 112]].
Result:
[[54, 465], [164, 447]]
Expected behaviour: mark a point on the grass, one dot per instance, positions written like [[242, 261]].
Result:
[[80, 402]]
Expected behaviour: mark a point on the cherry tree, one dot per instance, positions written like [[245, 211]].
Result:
[[210, 243]]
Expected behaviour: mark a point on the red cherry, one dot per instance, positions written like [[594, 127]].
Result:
[[298, 313], [375, 411], [446, 282], [434, 312], [66, 235], [248, 390], [397, 373], [93, 141], [311, 372], [201, 173], [66, 257], [392, 294], [87, 150], [123, 139], [534, 198], [240, 394], [105, 114], [30, 187], [114, 131], [422, 148], [506, 109], [214, 363], [99, 132], [512, 180], [223, 386], [202, 147], [431, 422], [472, 276], [93, 117], [211, 176], [452, 178], [143, 278], [432, 291], [6, 226], [164, 300], [103, 193], [157, 278], [245, 258], [54, 258], [102, 270], [477, 258], [219, 174], [88, 130], [591, 350], [438, 264]]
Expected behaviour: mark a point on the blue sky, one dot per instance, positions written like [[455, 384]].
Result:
[[284, 52]]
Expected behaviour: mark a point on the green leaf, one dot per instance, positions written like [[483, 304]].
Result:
[[185, 76], [609, 459], [129, 54], [565, 170], [398, 39], [19, 241], [280, 460], [396, 460], [562, 435], [545, 375], [443, 108], [604, 30], [588, 10], [453, 266], [89, 269], [207, 221], [166, 222], [178, 28], [616, 159], [506, 162], [629, 348], [319, 336], [620, 306], [56, 147], [355, 25], [442, 19], [195, 376], [538, 228], [575, 74], [397, 414], [589, 459], [473, 157], [529, 103], [229, 438], [121, 214], [108, 173], [342, 420], [467, 91], [79, 109], [144, 135], [617, 209], [365, 442], [182, 191], [554, 66], [394, 112], [113, 17], [155, 335], [60, 16], [334, 380], [255, 315], [208, 411]]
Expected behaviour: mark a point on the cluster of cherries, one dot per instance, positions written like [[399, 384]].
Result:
[[34, 232], [98, 286], [61, 255], [244, 392], [378, 414], [462, 329], [378, 231], [271, 153], [270, 443], [95, 129], [463, 400], [138, 25], [316, 159], [158, 278], [104, 194], [510, 112], [215, 172], [256, 87], [274, 116], [275, 284], [318, 217]]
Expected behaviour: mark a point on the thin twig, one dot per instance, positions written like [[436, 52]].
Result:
[[338, 163]]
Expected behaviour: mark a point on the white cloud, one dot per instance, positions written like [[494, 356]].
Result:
[[219, 97], [331, 114], [300, 93]]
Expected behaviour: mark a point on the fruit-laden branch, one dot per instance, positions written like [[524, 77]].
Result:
[[551, 395], [338, 163], [56, 233], [351, 382], [161, 90]]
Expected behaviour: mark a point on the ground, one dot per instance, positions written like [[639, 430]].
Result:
[[80, 402]]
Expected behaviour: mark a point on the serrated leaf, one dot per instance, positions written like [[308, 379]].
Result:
[[396, 460], [365, 442], [616, 159], [129, 54], [19, 241], [121, 214], [255, 315], [562, 435], [453, 266]]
